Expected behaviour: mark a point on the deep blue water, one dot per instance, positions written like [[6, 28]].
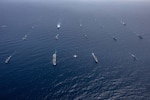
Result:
[[30, 74]]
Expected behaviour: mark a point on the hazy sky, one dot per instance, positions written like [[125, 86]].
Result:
[[75, 0]]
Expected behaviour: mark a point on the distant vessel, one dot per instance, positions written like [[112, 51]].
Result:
[[57, 36], [123, 23], [86, 36], [75, 56], [115, 39], [95, 58], [4, 26], [58, 26], [25, 37], [80, 25], [8, 59], [33, 27], [140, 36], [134, 57], [54, 59]]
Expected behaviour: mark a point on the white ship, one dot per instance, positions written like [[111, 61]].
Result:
[[95, 58], [80, 25], [57, 36], [75, 56], [25, 37], [123, 23], [8, 59], [58, 26], [134, 57], [54, 59]]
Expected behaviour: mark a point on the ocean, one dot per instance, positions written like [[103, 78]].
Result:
[[86, 27]]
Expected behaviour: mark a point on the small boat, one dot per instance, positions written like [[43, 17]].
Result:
[[115, 39], [140, 36], [8, 59], [54, 59], [86, 36], [134, 57], [95, 58], [57, 36], [33, 27], [123, 23], [25, 37], [75, 56], [58, 26], [80, 25]]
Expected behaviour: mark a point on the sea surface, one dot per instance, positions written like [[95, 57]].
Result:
[[30, 74]]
